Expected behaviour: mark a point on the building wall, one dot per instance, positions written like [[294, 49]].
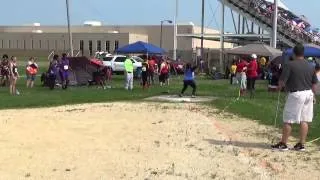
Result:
[[151, 31], [60, 42], [208, 43]]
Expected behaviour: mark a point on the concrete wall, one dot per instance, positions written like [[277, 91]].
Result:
[[151, 33], [60, 42]]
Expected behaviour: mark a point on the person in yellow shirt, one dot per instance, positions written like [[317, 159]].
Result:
[[263, 64], [233, 70], [128, 65], [263, 61]]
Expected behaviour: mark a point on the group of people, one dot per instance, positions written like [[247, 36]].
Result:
[[150, 68], [245, 73], [297, 25], [58, 68], [9, 73]]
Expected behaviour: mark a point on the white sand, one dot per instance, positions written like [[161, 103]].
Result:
[[143, 141]]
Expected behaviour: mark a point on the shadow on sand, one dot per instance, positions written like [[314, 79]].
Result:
[[239, 144]]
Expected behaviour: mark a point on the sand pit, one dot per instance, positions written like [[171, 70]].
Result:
[[143, 141]]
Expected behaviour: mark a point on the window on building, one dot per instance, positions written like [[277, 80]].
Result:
[[9, 44], [90, 48], [48, 44], [24, 44], [108, 46], [64, 45], [40, 45], [81, 45], [99, 46], [32, 44], [116, 45], [2, 44], [17, 44]]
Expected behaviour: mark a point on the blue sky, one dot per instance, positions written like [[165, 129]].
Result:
[[52, 12]]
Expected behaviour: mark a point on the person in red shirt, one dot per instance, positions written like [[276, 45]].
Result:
[[152, 66], [252, 74]]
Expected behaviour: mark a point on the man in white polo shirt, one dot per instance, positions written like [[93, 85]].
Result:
[[300, 80]]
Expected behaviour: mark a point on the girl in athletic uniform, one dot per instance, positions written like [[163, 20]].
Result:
[[52, 72], [189, 80], [14, 75], [64, 71]]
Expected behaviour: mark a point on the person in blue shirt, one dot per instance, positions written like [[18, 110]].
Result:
[[189, 80]]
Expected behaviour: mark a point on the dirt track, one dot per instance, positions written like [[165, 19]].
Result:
[[143, 141]]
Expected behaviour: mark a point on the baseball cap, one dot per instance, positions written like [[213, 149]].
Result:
[[254, 56]]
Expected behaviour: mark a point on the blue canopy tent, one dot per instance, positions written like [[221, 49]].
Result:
[[141, 47], [310, 50]]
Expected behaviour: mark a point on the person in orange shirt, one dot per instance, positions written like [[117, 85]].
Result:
[[31, 72]]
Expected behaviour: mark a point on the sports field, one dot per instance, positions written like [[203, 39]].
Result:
[[91, 133]]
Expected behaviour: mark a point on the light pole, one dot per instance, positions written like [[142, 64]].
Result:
[[69, 28], [275, 24], [175, 34], [161, 30]]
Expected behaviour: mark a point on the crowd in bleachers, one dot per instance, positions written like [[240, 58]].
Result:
[[297, 25]]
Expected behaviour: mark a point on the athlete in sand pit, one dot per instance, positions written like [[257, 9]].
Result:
[[299, 79]]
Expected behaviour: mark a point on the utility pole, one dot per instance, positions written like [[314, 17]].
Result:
[[221, 62], [275, 24], [175, 31], [161, 29], [202, 30], [69, 28]]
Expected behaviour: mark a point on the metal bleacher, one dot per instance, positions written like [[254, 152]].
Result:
[[254, 11]]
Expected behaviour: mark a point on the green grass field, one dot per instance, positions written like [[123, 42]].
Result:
[[262, 108]]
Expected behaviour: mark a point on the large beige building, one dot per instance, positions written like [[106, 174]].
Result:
[[89, 39]]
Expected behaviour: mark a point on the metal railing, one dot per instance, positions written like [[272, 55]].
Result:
[[258, 10]]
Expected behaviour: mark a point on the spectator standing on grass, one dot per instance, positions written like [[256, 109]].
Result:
[[31, 72], [53, 71], [128, 65], [151, 70], [164, 73], [241, 76], [252, 74], [64, 71], [201, 65], [14, 76], [300, 80], [144, 75], [108, 74], [317, 69], [233, 71], [4, 70], [189, 80], [262, 67]]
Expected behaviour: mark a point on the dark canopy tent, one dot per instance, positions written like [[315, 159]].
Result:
[[82, 70], [141, 48], [310, 50], [259, 49]]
